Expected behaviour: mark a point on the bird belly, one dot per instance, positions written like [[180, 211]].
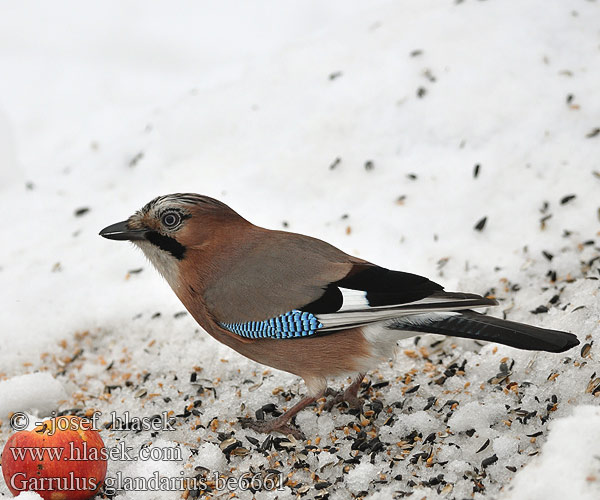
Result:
[[340, 353]]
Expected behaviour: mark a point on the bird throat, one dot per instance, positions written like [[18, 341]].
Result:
[[164, 261]]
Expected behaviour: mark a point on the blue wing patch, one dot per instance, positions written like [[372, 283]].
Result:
[[290, 325]]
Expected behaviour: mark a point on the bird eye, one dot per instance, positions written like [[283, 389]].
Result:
[[171, 219]]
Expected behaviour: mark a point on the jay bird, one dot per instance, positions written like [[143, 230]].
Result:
[[298, 304]]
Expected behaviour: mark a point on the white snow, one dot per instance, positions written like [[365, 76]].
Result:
[[105, 106], [569, 464], [211, 457], [39, 393], [28, 495], [358, 479], [475, 413]]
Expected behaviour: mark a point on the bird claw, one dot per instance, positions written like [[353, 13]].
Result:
[[268, 426], [337, 397]]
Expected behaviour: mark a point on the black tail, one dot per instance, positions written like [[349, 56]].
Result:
[[472, 325]]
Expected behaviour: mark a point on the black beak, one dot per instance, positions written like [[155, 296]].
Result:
[[120, 231]]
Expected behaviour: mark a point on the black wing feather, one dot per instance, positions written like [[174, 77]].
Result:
[[331, 301], [382, 286]]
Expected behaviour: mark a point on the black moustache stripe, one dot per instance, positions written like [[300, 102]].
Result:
[[167, 244]]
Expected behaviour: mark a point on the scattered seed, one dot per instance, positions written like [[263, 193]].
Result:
[[240, 451], [539, 310], [430, 438], [481, 224], [252, 388], [489, 461], [81, 211], [335, 74], [135, 160], [430, 402], [476, 170], [267, 444], [269, 408], [566, 199], [421, 91], [535, 434], [593, 133], [429, 75], [447, 489], [483, 446], [593, 386], [227, 442], [543, 221], [369, 165], [335, 163], [380, 385], [585, 350]]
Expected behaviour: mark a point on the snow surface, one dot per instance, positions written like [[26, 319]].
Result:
[[28, 495], [33, 392], [360, 124], [569, 465]]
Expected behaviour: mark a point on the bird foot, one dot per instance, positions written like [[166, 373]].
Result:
[[336, 397], [274, 425]]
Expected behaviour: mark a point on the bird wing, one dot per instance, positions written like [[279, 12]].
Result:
[[285, 285], [373, 294]]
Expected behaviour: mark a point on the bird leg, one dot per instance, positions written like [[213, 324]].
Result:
[[281, 423], [350, 395]]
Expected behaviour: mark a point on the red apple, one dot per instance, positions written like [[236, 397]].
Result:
[[62, 459]]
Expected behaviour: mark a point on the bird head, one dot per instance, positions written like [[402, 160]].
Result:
[[167, 228]]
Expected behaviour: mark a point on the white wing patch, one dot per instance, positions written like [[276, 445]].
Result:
[[353, 299]]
